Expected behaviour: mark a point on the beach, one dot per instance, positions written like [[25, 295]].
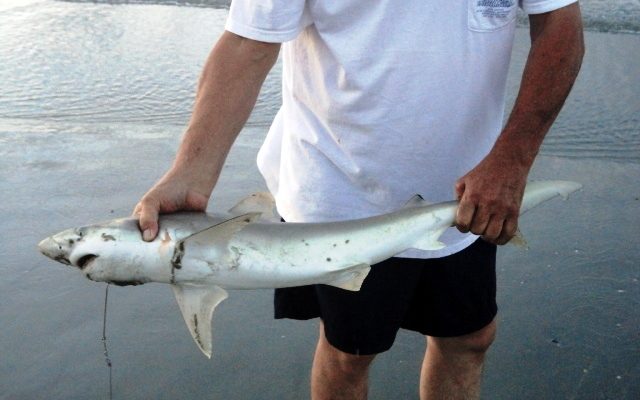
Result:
[[87, 125]]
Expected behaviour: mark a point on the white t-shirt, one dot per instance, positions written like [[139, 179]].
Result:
[[381, 100]]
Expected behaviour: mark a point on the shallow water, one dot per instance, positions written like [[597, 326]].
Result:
[[102, 63], [601, 117], [98, 63], [600, 15], [93, 98]]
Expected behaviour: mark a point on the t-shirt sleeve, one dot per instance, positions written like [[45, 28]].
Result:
[[543, 6], [272, 21]]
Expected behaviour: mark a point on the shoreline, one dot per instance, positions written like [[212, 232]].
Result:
[[568, 306]]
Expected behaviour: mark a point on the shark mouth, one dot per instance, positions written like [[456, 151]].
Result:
[[85, 260]]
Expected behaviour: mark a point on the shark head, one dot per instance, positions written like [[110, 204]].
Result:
[[110, 252], [114, 252]]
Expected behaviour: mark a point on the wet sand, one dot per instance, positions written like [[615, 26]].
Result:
[[569, 316], [569, 307]]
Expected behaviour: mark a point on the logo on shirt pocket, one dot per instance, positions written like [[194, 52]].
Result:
[[491, 15]]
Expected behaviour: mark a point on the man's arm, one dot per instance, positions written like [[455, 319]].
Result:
[[490, 194], [227, 92]]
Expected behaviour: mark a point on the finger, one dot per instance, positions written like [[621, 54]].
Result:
[[480, 221], [508, 231], [494, 229], [459, 189], [148, 220], [464, 215], [136, 210]]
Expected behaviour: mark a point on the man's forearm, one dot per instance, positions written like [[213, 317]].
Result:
[[554, 60], [227, 92], [491, 193]]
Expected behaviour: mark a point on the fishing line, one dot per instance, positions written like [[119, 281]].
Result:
[[104, 341]]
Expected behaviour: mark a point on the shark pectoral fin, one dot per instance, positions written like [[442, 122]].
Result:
[[262, 202], [350, 278], [197, 304], [430, 241], [518, 240]]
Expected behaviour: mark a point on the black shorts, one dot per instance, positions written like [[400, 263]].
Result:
[[442, 297]]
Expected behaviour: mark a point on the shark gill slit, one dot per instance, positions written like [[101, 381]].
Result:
[[176, 260]]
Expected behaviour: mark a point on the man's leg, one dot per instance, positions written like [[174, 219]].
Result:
[[452, 366], [338, 375]]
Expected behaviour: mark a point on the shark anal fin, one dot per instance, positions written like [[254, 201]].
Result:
[[197, 304], [350, 278], [430, 241], [519, 240]]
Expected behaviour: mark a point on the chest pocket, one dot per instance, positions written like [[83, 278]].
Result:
[[491, 15]]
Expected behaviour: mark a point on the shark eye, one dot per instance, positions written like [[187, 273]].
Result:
[[84, 260]]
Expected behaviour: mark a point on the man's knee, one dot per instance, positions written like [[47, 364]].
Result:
[[476, 342], [350, 364], [341, 361]]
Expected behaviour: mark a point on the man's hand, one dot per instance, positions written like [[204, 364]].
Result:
[[169, 195], [490, 196]]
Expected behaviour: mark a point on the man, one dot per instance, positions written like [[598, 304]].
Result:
[[382, 100]]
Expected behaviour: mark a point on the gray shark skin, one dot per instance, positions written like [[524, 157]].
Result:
[[201, 255]]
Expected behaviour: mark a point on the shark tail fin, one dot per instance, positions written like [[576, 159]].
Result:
[[538, 192], [197, 304]]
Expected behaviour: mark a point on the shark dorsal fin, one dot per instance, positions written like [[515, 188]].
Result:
[[262, 202], [219, 233], [211, 243], [197, 304], [416, 201]]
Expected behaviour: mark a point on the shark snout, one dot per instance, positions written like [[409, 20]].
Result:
[[55, 250], [60, 247]]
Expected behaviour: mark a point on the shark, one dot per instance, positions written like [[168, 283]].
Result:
[[201, 255]]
